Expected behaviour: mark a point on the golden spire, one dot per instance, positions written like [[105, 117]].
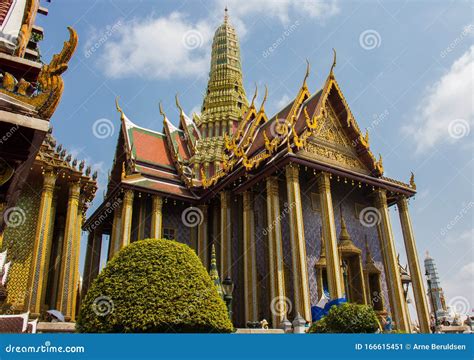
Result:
[[119, 109], [412, 181], [178, 105], [308, 68], [262, 108], [252, 104], [331, 73], [226, 14]]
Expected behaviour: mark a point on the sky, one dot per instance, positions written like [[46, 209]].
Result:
[[406, 68]]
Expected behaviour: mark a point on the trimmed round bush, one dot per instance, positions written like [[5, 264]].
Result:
[[347, 318], [153, 286]]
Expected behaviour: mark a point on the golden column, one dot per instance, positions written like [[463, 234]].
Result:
[[414, 265], [126, 228], [278, 304], [250, 260], [115, 233], [77, 253], [157, 217], [43, 229], [393, 277], [298, 244], [203, 244], [333, 261], [226, 233], [66, 287]]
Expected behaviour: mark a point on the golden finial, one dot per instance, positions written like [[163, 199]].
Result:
[[333, 63], [366, 137], [264, 99], [119, 109], [308, 67], [226, 15], [412, 181], [254, 96], [178, 104], [124, 172], [161, 111]]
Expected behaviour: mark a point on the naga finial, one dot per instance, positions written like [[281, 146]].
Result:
[[308, 68], [333, 62], [264, 99], [161, 110], [119, 109], [178, 104], [252, 104], [412, 181]]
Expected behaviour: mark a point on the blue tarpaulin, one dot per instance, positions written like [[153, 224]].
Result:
[[323, 306]]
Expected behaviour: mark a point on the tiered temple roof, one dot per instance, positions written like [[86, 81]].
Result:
[[233, 139]]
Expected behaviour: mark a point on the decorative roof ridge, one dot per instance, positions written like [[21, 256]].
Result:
[[130, 124]]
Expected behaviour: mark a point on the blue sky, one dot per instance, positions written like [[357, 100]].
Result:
[[406, 70]]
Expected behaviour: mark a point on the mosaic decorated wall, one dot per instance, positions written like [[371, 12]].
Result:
[[19, 239]]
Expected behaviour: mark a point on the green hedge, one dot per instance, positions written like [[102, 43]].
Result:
[[347, 318], [153, 286]]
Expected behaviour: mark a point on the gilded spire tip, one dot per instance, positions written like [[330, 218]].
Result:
[[308, 68], [333, 62], [254, 96], [119, 109], [178, 105], [161, 110]]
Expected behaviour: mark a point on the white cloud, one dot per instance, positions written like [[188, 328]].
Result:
[[158, 48], [446, 113], [283, 101], [460, 287], [179, 46], [282, 10]]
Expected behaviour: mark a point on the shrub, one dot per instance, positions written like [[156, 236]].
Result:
[[153, 286], [347, 318]]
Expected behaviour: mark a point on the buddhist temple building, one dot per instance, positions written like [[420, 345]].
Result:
[[30, 91], [43, 234], [294, 204], [44, 193]]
